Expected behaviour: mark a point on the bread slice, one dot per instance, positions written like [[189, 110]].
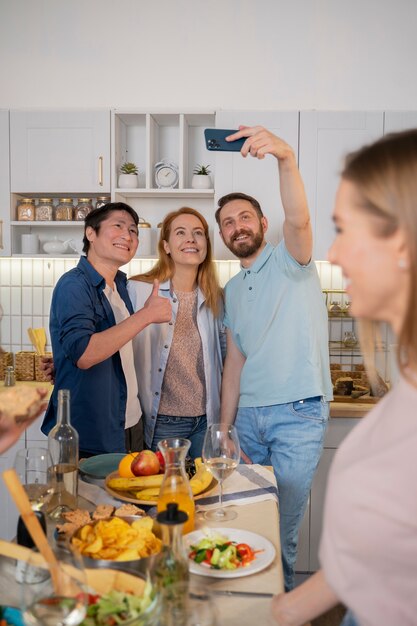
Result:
[[103, 511], [19, 404], [128, 509]]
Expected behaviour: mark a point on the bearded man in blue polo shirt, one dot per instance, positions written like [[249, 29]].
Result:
[[92, 325], [276, 380]]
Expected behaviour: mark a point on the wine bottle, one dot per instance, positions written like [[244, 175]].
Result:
[[63, 446]]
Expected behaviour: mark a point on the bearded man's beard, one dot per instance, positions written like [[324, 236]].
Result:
[[247, 248]]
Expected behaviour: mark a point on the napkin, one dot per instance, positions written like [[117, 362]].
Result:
[[247, 484]]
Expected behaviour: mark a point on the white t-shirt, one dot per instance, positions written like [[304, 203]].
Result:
[[368, 550], [133, 409]]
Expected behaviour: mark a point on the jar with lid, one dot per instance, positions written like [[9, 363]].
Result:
[[335, 309], [64, 209], [26, 210], [145, 238], [44, 211], [83, 208], [101, 201]]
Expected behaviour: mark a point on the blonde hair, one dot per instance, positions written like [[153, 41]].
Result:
[[164, 269], [385, 174]]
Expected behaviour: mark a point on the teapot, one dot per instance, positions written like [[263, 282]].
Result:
[[56, 246]]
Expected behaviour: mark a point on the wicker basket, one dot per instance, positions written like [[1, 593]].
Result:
[[6, 358], [25, 365], [40, 374]]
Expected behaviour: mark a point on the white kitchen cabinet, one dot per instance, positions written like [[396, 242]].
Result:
[[399, 120], [257, 178], [325, 139], [60, 152], [9, 514], [5, 246], [311, 527]]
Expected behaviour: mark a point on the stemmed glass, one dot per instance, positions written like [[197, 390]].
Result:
[[221, 454], [55, 601], [35, 470]]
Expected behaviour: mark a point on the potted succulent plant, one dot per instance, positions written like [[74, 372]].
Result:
[[128, 178], [201, 177]]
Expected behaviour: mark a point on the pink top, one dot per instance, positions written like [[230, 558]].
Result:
[[368, 548]]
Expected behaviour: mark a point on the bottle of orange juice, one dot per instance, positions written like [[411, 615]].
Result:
[[176, 485]]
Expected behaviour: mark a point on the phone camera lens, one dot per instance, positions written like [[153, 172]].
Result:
[[212, 143]]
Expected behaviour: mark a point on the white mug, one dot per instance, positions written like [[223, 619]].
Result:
[[30, 244]]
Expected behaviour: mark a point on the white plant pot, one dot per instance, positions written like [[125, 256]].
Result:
[[201, 181], [128, 181]]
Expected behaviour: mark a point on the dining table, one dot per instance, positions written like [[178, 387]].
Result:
[[238, 600]]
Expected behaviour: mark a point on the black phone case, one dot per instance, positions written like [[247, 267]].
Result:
[[215, 140]]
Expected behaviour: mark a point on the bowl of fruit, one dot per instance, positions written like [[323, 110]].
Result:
[[140, 475]]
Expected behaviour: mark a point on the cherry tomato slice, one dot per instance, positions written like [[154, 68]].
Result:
[[245, 552]]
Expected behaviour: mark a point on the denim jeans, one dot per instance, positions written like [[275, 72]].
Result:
[[289, 437], [192, 428]]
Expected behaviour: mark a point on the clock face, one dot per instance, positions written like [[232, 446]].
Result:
[[166, 176]]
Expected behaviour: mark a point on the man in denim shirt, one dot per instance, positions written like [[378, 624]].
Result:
[[276, 380], [92, 325]]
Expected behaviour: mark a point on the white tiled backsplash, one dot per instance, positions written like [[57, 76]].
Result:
[[26, 287]]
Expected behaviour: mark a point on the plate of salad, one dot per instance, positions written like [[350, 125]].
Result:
[[227, 552]]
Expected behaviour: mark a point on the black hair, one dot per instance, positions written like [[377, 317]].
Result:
[[97, 216]]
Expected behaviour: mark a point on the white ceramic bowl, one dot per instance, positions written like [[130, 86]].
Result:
[[55, 247]]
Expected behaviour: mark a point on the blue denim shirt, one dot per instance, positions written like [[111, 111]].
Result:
[[151, 349], [98, 395]]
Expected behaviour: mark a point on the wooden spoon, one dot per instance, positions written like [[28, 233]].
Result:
[[21, 500]]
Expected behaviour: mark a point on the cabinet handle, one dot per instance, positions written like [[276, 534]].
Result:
[[100, 171], [1, 235]]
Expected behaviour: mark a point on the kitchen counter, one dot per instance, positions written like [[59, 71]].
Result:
[[31, 383], [350, 409]]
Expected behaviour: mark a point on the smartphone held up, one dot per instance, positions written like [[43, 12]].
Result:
[[216, 140]]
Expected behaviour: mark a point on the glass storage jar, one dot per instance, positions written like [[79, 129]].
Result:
[[26, 210], [82, 209], [64, 209], [101, 201], [44, 211]]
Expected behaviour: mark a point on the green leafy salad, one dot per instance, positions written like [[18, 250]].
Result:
[[219, 552], [117, 607]]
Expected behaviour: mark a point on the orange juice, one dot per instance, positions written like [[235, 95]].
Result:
[[185, 503]]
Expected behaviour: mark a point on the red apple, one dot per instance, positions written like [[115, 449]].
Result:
[[161, 461], [145, 463]]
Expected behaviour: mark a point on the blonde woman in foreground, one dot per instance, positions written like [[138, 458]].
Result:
[[179, 364], [368, 551]]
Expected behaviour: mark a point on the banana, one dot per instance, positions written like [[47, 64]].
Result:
[[143, 494], [130, 484], [201, 479]]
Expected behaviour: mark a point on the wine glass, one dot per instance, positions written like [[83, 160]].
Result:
[[59, 599], [221, 453], [35, 471]]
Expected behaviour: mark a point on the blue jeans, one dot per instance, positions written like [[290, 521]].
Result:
[[192, 428], [289, 437]]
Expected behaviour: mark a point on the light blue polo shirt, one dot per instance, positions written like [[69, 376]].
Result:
[[276, 313]]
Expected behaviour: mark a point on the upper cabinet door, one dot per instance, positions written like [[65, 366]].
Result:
[[257, 178], [399, 120], [60, 151], [4, 185], [325, 139]]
